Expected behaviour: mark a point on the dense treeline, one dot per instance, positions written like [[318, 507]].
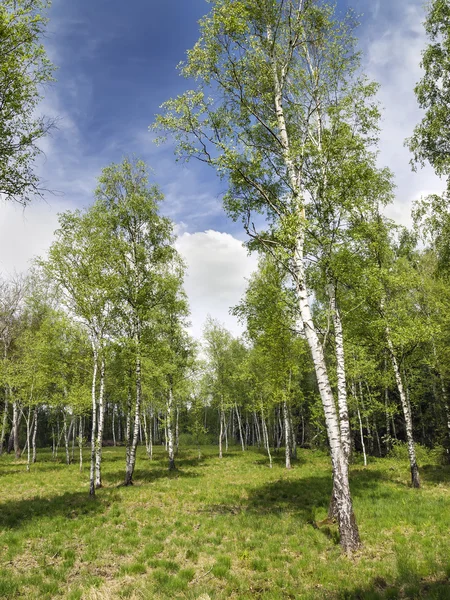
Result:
[[346, 320]]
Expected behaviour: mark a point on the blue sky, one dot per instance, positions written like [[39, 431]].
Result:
[[116, 65]]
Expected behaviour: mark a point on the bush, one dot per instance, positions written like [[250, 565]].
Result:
[[438, 455], [203, 439]]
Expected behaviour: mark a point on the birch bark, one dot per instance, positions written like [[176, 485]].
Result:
[[170, 436], [415, 480], [347, 524], [94, 422], [101, 420]]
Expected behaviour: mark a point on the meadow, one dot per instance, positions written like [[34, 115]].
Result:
[[220, 529]]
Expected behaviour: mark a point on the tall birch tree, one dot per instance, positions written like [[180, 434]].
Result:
[[278, 87]]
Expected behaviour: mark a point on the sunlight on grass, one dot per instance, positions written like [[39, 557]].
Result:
[[219, 529]]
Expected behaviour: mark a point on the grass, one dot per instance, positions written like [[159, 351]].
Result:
[[219, 529]]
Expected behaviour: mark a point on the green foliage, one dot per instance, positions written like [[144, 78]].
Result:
[[24, 69], [431, 139]]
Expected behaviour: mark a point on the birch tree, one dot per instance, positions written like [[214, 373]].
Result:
[[277, 89], [78, 266], [140, 251]]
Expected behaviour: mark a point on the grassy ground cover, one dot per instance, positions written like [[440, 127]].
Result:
[[219, 529]]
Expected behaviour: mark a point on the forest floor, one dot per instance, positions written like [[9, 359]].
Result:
[[219, 529]]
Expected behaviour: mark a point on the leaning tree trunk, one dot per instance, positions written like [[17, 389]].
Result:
[[406, 406], [257, 430], [266, 438], [240, 427], [101, 420]]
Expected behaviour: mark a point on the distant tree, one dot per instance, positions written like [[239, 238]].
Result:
[[24, 69]]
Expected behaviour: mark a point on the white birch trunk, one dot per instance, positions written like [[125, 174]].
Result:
[[113, 425], [150, 435], [147, 443], [287, 435], [349, 535], [415, 481], [66, 437], [80, 442], [15, 428], [225, 429], [341, 380], [220, 433], [4, 421], [266, 438], [258, 432], [170, 436], [137, 412], [240, 427], [101, 420], [28, 443], [36, 412], [177, 430], [94, 423]]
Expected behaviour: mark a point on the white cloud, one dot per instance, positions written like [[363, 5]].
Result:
[[392, 45], [218, 266], [26, 233]]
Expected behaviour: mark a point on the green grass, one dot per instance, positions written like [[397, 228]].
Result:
[[219, 529]]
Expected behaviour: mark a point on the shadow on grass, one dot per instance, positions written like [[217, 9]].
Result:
[[302, 496], [408, 585], [70, 505], [143, 475], [435, 474]]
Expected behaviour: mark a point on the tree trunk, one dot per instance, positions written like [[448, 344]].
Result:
[[220, 433], [137, 412], [36, 412], [362, 437], [101, 420], [80, 442], [348, 529], [287, 435], [344, 421], [28, 443], [240, 427], [66, 434], [4, 421], [266, 438], [177, 429], [225, 429], [15, 428], [169, 421], [113, 425], [94, 423], [415, 481], [258, 432]]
